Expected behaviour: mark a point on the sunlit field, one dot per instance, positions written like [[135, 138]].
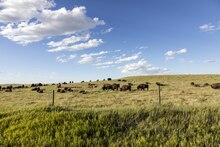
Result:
[[187, 116], [179, 92]]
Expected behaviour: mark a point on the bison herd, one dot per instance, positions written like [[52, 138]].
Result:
[[105, 87]]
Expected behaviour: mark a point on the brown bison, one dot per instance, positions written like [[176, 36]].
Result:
[[143, 86], [125, 88], [40, 91], [8, 90], [107, 87], [36, 89], [216, 86], [115, 86], [58, 85], [92, 85]]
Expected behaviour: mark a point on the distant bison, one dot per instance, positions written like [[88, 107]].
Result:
[[143, 86], [125, 88], [36, 89], [107, 87], [115, 86], [109, 79], [216, 86]]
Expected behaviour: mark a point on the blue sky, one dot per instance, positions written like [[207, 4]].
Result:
[[56, 41]]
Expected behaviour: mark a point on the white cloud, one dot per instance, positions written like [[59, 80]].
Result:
[[69, 40], [172, 54], [64, 58], [42, 22], [142, 47], [105, 63], [210, 27], [76, 47], [142, 67], [107, 31], [14, 11], [209, 61], [126, 59], [88, 58]]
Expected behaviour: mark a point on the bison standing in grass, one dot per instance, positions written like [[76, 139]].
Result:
[[107, 87], [143, 86], [115, 86], [125, 88], [216, 86]]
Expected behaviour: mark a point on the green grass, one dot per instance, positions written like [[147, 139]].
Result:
[[164, 126], [188, 116]]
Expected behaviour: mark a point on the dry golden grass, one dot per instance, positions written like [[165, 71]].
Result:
[[178, 93]]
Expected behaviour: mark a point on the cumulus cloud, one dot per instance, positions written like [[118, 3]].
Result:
[[88, 58], [172, 54], [209, 61], [15, 11], [64, 58], [34, 20], [142, 67], [210, 27]]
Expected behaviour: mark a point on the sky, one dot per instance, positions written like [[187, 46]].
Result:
[[73, 40]]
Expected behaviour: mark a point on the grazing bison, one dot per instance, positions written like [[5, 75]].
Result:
[[58, 85], [195, 85], [115, 86], [107, 87], [82, 81], [119, 80], [125, 88], [59, 90], [109, 79], [92, 85], [0, 88], [40, 91], [206, 84], [64, 83], [68, 89], [216, 86], [36, 89], [83, 92], [124, 80], [8, 90], [143, 86], [130, 84]]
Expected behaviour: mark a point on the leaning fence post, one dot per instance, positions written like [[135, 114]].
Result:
[[53, 98]]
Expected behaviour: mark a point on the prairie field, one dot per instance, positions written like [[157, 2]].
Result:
[[179, 92], [187, 116]]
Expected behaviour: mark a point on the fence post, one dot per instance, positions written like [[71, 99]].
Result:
[[53, 98], [159, 95]]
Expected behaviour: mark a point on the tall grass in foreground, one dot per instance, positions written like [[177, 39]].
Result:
[[164, 126]]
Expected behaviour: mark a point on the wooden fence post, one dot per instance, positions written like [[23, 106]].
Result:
[[159, 95], [53, 98]]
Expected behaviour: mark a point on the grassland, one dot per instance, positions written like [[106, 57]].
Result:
[[188, 116], [178, 93]]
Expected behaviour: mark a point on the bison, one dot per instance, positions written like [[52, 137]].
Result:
[[115, 86], [107, 87], [215, 86], [143, 86], [125, 88]]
